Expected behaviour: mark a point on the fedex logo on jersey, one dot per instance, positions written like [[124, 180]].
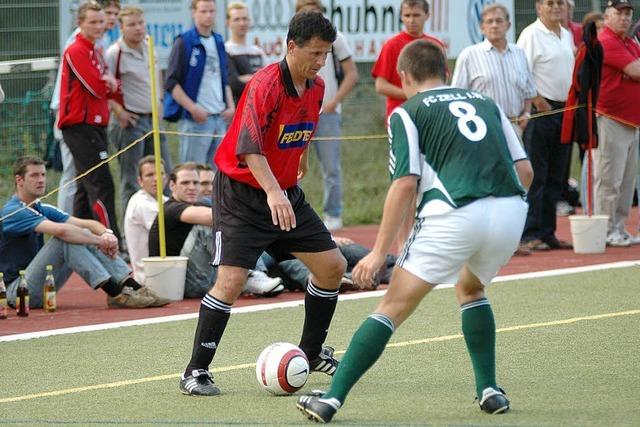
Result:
[[295, 135]]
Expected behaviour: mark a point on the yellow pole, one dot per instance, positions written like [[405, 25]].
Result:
[[156, 146]]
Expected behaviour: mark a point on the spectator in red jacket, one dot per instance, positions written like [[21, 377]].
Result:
[[84, 115]]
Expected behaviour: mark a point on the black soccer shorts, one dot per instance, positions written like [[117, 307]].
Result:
[[243, 228]]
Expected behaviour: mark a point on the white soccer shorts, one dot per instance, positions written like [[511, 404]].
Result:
[[483, 235]]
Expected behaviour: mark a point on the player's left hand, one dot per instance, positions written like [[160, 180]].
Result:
[[364, 272]]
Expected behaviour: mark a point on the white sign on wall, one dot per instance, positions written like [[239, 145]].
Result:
[[366, 24]]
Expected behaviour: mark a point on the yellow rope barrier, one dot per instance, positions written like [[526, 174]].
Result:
[[156, 131]]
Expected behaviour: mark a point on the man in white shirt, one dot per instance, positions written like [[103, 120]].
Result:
[[339, 79], [498, 68], [549, 50], [141, 211]]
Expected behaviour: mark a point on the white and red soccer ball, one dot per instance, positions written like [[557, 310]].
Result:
[[282, 368]]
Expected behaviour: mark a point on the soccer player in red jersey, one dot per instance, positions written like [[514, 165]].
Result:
[[258, 205]]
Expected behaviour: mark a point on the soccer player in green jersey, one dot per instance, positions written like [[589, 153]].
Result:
[[457, 150]]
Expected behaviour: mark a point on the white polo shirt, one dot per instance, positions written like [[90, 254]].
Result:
[[550, 59]]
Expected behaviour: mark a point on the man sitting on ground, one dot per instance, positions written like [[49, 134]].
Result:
[[76, 245], [142, 210], [188, 225]]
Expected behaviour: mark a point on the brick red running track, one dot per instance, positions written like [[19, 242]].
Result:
[[78, 305]]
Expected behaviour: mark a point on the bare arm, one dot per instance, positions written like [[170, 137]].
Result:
[[71, 233], [384, 87], [231, 105], [198, 113], [197, 215], [525, 172], [633, 70], [348, 83], [398, 203], [281, 210]]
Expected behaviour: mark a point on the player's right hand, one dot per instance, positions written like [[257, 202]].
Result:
[[199, 114], [282, 213], [363, 274]]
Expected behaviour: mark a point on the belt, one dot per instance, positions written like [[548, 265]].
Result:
[[138, 114], [555, 104]]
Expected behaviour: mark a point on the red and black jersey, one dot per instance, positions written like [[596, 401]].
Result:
[[271, 120]]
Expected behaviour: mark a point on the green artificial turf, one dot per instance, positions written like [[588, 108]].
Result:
[[584, 372]]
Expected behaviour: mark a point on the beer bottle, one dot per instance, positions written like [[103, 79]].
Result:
[[49, 292], [22, 297], [3, 297]]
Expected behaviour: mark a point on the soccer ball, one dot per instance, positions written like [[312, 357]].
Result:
[[282, 369]]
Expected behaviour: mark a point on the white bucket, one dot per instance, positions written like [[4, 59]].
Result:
[[589, 233], [165, 276]]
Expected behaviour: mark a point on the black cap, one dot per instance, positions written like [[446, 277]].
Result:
[[620, 4]]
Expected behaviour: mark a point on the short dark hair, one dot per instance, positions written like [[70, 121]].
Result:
[[189, 166], [306, 25], [423, 59], [20, 166], [424, 4], [146, 160]]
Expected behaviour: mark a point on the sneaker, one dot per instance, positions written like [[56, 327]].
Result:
[[199, 383], [618, 240], [325, 362], [258, 283], [633, 240], [564, 209], [158, 301], [317, 409], [129, 298], [494, 401], [332, 222]]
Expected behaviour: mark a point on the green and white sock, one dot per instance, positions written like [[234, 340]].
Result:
[[365, 348], [479, 330]]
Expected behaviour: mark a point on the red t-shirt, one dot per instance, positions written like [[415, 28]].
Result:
[[385, 65], [271, 120], [618, 92]]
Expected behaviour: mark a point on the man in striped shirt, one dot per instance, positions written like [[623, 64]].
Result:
[[498, 68]]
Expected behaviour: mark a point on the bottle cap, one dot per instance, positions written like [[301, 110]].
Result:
[[49, 267], [22, 272]]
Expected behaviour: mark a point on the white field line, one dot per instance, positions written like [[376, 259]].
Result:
[[442, 338], [287, 304]]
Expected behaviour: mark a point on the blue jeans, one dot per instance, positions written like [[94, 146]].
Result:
[[129, 159], [67, 194], [201, 275], [201, 149], [86, 260], [328, 152]]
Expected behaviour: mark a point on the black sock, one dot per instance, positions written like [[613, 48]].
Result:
[[111, 288], [319, 306], [131, 283], [212, 321]]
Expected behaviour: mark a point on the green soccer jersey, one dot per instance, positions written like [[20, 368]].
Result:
[[460, 145]]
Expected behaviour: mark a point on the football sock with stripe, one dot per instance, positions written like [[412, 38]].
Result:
[[212, 320], [365, 348], [319, 306], [479, 330]]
